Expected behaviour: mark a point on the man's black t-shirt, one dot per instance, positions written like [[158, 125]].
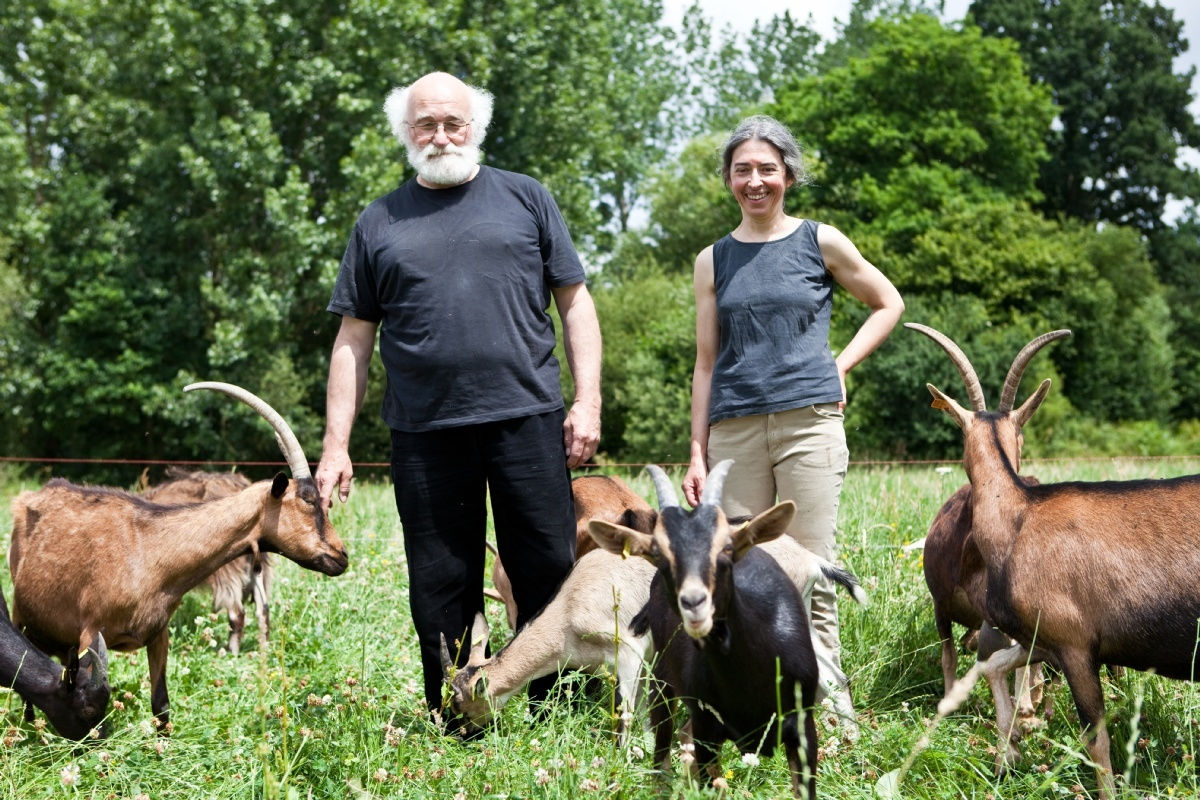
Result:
[[460, 281]]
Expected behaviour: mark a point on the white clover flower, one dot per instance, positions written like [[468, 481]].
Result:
[[69, 775], [750, 759]]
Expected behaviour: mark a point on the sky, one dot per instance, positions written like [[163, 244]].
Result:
[[741, 14]]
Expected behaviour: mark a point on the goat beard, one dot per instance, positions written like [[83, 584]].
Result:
[[450, 165]]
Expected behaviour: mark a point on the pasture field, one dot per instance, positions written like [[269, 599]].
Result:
[[332, 709]]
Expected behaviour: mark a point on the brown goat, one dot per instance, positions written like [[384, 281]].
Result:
[[605, 497], [1090, 572], [87, 561], [246, 578]]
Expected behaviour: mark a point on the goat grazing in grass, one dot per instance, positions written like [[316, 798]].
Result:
[[586, 626], [1090, 573], [247, 577], [90, 560], [747, 652], [74, 699], [596, 496]]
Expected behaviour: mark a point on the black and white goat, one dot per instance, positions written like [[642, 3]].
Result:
[[730, 630], [587, 626], [1090, 572], [74, 699]]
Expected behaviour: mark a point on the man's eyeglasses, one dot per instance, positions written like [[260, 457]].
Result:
[[428, 128]]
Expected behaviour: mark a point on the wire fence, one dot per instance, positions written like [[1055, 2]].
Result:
[[153, 462]]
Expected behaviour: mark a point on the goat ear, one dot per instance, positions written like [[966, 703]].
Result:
[[479, 689], [279, 485], [946, 403], [769, 525], [621, 541], [1022, 414]]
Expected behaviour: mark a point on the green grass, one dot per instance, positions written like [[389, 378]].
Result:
[[333, 710]]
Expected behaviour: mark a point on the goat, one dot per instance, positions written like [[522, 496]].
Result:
[[1091, 573], [957, 584], [586, 626], [88, 560], [751, 650], [596, 496], [74, 699], [245, 578]]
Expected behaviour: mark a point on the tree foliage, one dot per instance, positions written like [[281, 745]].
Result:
[[178, 180], [1122, 111], [185, 173]]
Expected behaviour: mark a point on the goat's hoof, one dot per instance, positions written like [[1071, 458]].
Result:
[[1027, 723]]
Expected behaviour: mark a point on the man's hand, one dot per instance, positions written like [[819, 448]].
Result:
[[334, 472], [581, 433]]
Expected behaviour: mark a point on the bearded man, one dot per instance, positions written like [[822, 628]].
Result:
[[456, 269]]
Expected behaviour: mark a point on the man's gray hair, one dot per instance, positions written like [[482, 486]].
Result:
[[774, 133], [396, 109]]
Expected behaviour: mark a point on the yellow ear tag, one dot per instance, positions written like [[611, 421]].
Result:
[[939, 404], [625, 549]]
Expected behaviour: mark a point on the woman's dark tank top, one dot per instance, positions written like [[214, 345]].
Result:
[[773, 306]]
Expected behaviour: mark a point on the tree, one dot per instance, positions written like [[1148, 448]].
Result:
[[182, 195], [925, 106], [1122, 112], [1176, 250]]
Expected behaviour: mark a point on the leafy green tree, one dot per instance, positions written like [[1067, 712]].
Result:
[[1176, 251], [936, 112], [649, 325], [1122, 111], [690, 208], [182, 195]]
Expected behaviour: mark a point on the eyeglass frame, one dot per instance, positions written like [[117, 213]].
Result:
[[420, 129]]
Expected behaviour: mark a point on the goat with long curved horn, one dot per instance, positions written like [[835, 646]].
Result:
[[128, 587]]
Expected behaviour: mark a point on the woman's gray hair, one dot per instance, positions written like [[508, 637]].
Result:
[[396, 109], [774, 133]]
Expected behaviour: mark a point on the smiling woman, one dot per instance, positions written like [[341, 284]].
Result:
[[767, 391]]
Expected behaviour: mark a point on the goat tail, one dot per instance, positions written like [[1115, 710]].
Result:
[[848, 581]]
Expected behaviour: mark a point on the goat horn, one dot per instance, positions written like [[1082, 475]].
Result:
[[714, 484], [666, 492], [287, 440], [1008, 395], [974, 388]]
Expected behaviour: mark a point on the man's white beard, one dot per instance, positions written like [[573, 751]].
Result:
[[444, 166]]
